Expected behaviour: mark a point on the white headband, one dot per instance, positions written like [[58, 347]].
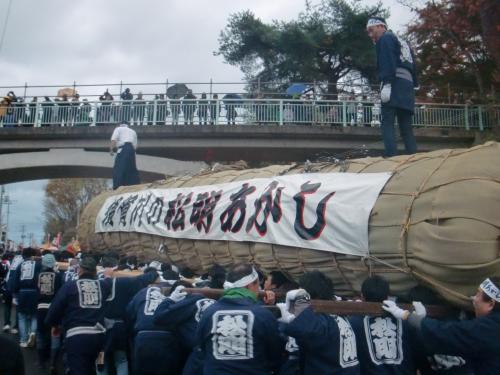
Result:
[[490, 289], [375, 22], [243, 282], [155, 264]]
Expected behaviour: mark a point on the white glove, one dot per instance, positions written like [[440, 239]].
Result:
[[286, 316], [294, 295], [178, 294], [391, 307], [419, 309], [385, 93]]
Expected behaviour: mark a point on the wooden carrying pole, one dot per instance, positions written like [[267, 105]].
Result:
[[320, 306], [336, 307]]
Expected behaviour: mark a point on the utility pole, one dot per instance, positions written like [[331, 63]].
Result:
[[8, 202], [2, 193], [23, 236]]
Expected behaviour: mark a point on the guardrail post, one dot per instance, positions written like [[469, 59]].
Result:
[[217, 112], [467, 124], [94, 118], [155, 106], [281, 112], [344, 114], [37, 115], [480, 114]]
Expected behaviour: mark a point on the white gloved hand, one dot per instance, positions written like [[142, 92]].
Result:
[[286, 316], [385, 93], [178, 294], [294, 295], [419, 309], [397, 312]]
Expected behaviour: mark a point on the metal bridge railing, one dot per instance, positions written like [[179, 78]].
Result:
[[238, 111]]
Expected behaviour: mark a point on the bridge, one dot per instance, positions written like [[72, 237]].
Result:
[[66, 163], [40, 140], [253, 143]]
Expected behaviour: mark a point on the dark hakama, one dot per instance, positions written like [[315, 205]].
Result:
[[125, 171]]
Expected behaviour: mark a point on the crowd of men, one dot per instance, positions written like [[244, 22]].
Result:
[[190, 109], [148, 324], [70, 111]]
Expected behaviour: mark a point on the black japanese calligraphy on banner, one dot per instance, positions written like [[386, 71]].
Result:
[[319, 211], [125, 206], [300, 198], [154, 211], [138, 210], [271, 206], [237, 208], [203, 210], [176, 214], [110, 212]]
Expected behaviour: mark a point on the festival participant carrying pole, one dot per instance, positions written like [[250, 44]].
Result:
[[331, 307]]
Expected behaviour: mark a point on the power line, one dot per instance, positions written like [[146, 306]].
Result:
[[4, 30]]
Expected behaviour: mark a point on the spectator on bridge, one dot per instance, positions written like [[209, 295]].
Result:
[[64, 110], [125, 171], [175, 105], [214, 114], [150, 105], [47, 109], [31, 113], [74, 114], [231, 113], [125, 112], [139, 109], [161, 110], [4, 105], [84, 119], [203, 109], [13, 98], [104, 111], [397, 74], [189, 107]]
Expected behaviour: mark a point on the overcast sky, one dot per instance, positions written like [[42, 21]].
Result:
[[55, 42]]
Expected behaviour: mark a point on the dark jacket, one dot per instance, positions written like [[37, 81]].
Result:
[[238, 336], [476, 340], [327, 344], [396, 65], [385, 345], [79, 303], [25, 286], [183, 317], [49, 282]]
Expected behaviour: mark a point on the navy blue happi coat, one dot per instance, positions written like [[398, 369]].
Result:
[[238, 336], [396, 65], [477, 341], [327, 344]]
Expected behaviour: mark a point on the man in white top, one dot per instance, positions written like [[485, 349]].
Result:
[[124, 140]]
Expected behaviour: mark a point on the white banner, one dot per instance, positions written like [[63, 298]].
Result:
[[323, 211]]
